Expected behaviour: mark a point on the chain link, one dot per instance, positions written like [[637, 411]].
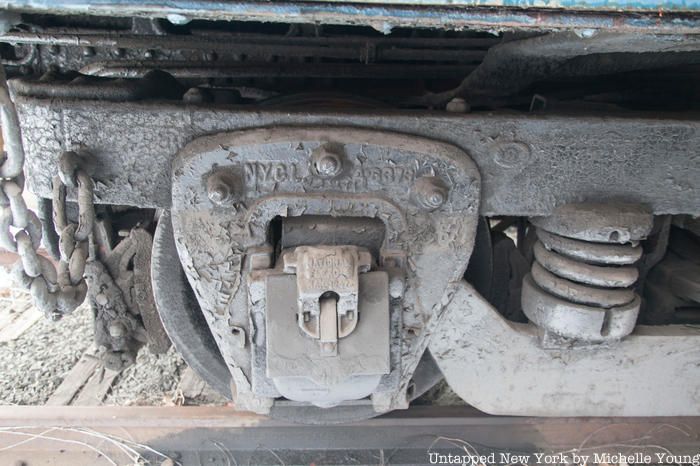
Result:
[[56, 292]]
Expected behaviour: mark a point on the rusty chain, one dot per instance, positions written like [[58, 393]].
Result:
[[55, 291]]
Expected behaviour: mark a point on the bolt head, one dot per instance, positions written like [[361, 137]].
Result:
[[88, 51], [177, 19], [396, 286], [218, 193], [586, 33], [436, 198], [458, 105], [195, 95], [219, 189], [430, 192], [116, 330], [328, 164], [101, 299]]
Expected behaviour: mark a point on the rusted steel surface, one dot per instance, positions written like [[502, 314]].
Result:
[[643, 15], [529, 163], [221, 436]]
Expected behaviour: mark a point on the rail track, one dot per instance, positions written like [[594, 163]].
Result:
[[222, 436]]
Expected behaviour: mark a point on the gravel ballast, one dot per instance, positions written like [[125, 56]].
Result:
[[35, 364], [152, 381]]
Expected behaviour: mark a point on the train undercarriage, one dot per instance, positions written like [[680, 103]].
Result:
[[328, 213]]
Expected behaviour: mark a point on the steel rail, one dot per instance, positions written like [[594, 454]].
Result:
[[221, 435]]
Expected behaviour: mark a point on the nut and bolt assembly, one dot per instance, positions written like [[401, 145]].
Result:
[[117, 330], [220, 189], [430, 192], [458, 105], [328, 162]]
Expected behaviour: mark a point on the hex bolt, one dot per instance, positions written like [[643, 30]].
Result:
[[101, 299], [458, 105], [586, 33], [149, 54], [177, 19], [88, 51], [119, 52], [430, 192], [218, 193], [396, 285], [327, 163], [195, 95], [116, 330], [219, 189]]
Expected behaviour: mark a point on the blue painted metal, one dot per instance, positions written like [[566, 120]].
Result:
[[659, 16], [233, 6], [600, 5]]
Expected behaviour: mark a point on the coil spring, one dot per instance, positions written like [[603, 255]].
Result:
[[580, 288]]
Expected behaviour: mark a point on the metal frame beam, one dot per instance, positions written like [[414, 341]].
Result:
[[642, 16], [529, 163]]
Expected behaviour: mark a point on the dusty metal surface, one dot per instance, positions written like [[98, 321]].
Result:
[[672, 290], [652, 372], [59, 289], [121, 296], [111, 52], [530, 163], [199, 436], [616, 5], [232, 168], [384, 17], [189, 332], [274, 172], [180, 313], [582, 281], [351, 369], [516, 65], [155, 84]]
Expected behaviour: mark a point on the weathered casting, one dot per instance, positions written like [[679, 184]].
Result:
[[246, 286], [311, 255]]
